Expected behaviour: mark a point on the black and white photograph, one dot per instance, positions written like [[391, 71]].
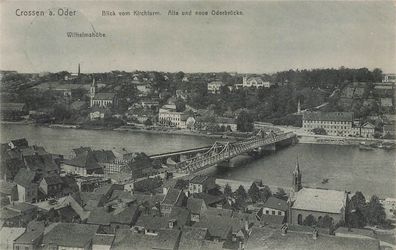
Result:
[[197, 125]]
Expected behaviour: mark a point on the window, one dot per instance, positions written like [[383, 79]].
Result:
[[266, 212], [279, 213], [273, 212], [299, 219]]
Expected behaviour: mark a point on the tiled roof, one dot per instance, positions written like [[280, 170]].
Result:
[[6, 187], [270, 238], [276, 203], [328, 116], [330, 201], [80, 150], [192, 238], [127, 239], [70, 235], [24, 177], [199, 179], [106, 156], [181, 215], [219, 212], [99, 216], [9, 234], [103, 239], [152, 222], [28, 237], [271, 219], [216, 225], [195, 205], [53, 180], [84, 160], [172, 196]]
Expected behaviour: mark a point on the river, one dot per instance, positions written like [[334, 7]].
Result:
[[346, 167]]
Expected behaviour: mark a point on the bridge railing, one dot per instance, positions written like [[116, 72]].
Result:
[[229, 151]]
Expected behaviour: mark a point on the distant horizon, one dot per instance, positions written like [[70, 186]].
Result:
[[268, 36], [198, 72]]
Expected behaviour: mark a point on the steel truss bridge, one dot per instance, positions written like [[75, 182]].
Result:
[[224, 151]]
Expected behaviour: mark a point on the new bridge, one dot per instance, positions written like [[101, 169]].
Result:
[[193, 160]]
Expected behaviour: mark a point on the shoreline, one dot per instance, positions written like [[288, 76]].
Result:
[[302, 138]]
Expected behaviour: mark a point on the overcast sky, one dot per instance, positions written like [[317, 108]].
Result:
[[268, 37]]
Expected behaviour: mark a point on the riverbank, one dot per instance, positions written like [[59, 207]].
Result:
[[338, 140]]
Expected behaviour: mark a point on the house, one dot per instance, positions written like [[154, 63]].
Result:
[[193, 238], [168, 116], [197, 208], [201, 184], [166, 239], [386, 102], [366, 130], [275, 207], [19, 143], [253, 81], [277, 238], [214, 87], [98, 113], [319, 203], [69, 236], [29, 240], [102, 241], [8, 235], [51, 186], [27, 188], [114, 218], [83, 164], [17, 214], [219, 228], [8, 192], [174, 197], [334, 123]]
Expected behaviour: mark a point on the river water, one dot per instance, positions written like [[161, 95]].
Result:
[[346, 167]]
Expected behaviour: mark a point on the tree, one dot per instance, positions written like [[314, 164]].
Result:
[[227, 190], [356, 219], [358, 201], [309, 221], [244, 122], [254, 192], [265, 193], [281, 194], [375, 212], [240, 193], [326, 222], [148, 122]]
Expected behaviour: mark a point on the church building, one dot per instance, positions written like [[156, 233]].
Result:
[[316, 202], [102, 99]]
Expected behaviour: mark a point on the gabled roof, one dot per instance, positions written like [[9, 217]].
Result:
[[84, 160], [216, 225], [127, 239], [330, 201], [70, 235], [195, 205], [80, 150], [103, 239], [106, 156], [24, 177], [192, 238], [53, 180], [172, 196], [276, 203], [152, 222]]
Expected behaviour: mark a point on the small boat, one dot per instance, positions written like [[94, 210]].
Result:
[[325, 181], [365, 147]]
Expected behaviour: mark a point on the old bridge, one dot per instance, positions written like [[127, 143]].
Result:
[[196, 159]]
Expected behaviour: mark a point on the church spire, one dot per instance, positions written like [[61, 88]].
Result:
[[297, 186]]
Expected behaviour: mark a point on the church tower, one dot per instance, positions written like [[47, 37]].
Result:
[[297, 178], [92, 91]]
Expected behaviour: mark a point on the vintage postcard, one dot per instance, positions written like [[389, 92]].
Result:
[[197, 125]]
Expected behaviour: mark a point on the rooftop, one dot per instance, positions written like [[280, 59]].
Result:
[[329, 201], [104, 96], [328, 116], [276, 203], [172, 196], [70, 235]]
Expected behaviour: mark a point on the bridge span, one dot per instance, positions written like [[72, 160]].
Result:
[[193, 160]]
